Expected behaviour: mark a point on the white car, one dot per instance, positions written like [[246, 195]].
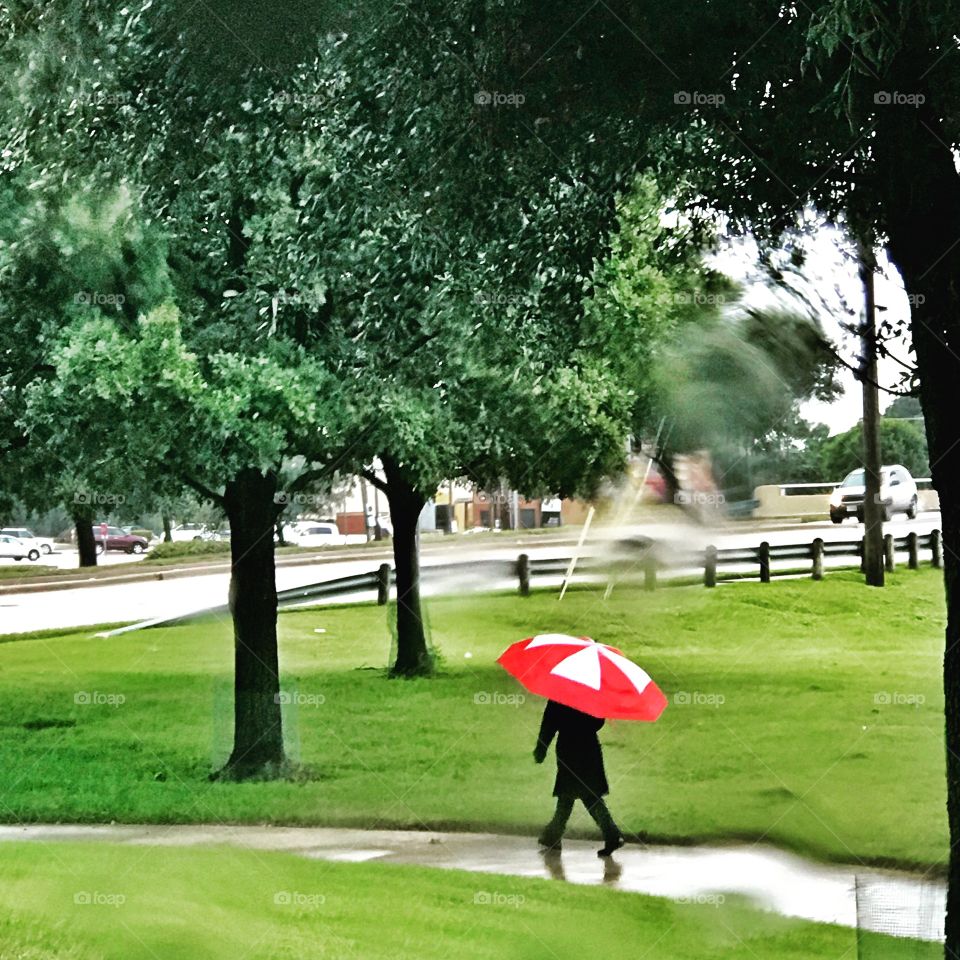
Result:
[[16, 549], [44, 544], [184, 532], [317, 535], [898, 494]]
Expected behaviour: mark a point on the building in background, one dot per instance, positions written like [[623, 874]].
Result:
[[457, 507]]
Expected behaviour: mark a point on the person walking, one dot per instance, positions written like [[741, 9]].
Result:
[[580, 774]]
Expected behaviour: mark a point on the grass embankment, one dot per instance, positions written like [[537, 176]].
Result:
[[21, 571], [805, 714], [71, 902]]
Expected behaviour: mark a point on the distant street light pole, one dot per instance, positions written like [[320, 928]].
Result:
[[377, 529], [873, 509], [366, 514]]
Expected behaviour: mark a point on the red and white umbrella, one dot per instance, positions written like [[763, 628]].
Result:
[[581, 673]]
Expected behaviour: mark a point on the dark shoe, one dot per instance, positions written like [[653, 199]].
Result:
[[611, 845], [548, 844]]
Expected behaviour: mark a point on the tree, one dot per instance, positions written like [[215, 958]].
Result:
[[164, 109], [902, 442], [905, 408], [69, 251], [732, 381], [447, 253], [789, 454], [242, 414]]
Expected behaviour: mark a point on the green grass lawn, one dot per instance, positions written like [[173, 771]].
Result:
[[10, 572], [67, 902], [804, 714]]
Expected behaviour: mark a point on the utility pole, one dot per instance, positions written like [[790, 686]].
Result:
[[873, 509], [377, 529], [366, 515]]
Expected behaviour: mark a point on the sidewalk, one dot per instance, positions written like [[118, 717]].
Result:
[[770, 879]]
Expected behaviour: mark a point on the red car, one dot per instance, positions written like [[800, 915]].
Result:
[[116, 539]]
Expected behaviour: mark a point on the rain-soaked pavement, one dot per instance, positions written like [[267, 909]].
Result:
[[898, 903]]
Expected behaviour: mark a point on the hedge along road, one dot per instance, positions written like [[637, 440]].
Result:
[[111, 602]]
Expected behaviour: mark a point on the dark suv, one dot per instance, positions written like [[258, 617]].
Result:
[[116, 539]]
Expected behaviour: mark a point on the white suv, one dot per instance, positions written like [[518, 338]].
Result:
[[898, 494], [43, 544], [184, 532], [16, 549]]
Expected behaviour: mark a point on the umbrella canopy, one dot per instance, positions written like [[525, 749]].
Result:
[[588, 676]]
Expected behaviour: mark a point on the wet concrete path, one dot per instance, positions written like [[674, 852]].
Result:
[[893, 902]]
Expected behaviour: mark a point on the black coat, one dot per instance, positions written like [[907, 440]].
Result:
[[580, 770]]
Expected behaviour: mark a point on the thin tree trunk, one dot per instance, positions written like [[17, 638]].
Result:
[[167, 529], [406, 503], [258, 732], [874, 511], [86, 542]]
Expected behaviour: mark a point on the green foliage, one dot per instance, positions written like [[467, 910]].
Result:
[[790, 454], [901, 441], [732, 382], [188, 549], [77, 259]]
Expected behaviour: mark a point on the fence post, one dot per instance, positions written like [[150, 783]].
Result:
[[936, 549], [764, 556], [710, 567], [889, 560], [816, 553], [913, 551], [523, 574], [383, 584], [649, 571]]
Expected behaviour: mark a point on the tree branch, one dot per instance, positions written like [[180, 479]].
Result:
[[372, 478], [204, 491], [309, 476], [858, 373]]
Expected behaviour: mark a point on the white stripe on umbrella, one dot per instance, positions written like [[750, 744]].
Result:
[[584, 665], [581, 667], [558, 639], [636, 675]]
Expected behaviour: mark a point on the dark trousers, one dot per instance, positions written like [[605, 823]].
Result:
[[553, 831]]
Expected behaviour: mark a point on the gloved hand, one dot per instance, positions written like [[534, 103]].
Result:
[[539, 754]]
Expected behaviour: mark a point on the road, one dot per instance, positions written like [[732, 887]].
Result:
[[67, 558], [129, 602]]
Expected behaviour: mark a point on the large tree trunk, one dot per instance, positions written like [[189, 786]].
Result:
[[922, 210], [258, 732], [86, 542], [406, 503]]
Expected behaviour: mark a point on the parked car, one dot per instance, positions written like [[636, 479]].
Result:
[[898, 494], [16, 549], [117, 539], [44, 544], [190, 531], [317, 535]]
